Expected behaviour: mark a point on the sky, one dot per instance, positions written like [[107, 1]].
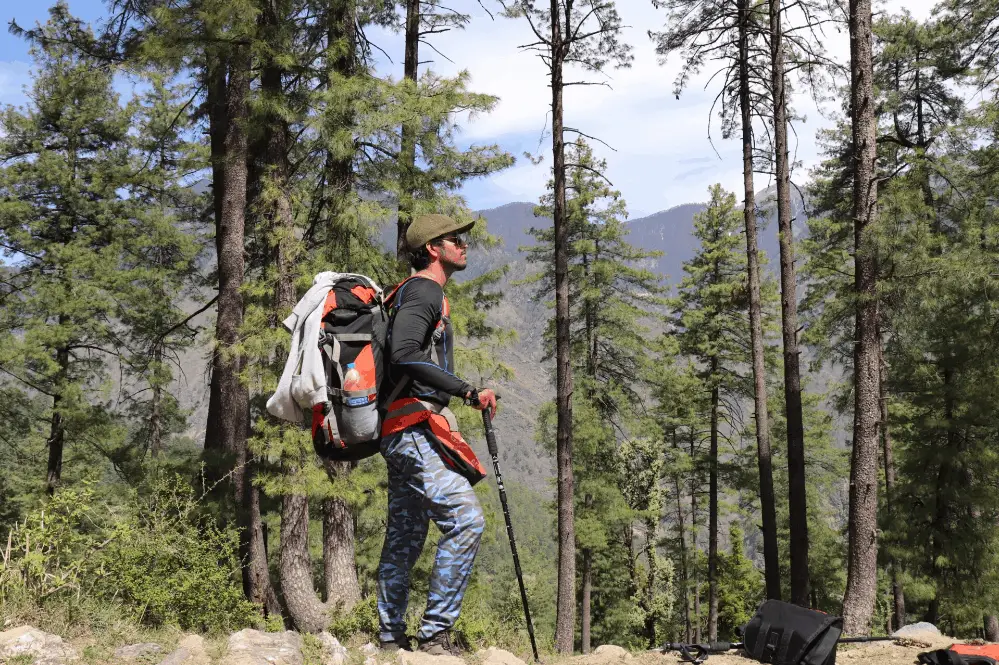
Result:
[[658, 150]]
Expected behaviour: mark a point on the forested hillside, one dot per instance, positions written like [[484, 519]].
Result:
[[775, 393]]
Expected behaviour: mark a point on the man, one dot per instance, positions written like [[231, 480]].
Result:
[[430, 467]]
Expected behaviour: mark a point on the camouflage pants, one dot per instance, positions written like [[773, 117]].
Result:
[[423, 488]]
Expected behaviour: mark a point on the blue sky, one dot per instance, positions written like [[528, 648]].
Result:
[[661, 155]]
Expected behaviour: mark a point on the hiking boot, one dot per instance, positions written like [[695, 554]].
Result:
[[395, 645], [440, 645]]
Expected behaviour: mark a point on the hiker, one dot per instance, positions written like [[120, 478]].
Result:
[[431, 469]]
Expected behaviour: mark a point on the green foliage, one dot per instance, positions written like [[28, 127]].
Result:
[[740, 586], [154, 557]]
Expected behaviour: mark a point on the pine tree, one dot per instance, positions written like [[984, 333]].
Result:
[[610, 296], [62, 225], [712, 297], [731, 32], [586, 35]]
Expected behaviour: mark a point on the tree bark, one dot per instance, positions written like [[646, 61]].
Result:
[[991, 628], [713, 513], [565, 620], [407, 148], [898, 594], [767, 502], [308, 613], [57, 429], [693, 539], [341, 588], [797, 500], [684, 577], [650, 590], [217, 123], [587, 590], [861, 585]]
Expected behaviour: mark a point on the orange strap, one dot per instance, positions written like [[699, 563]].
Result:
[[452, 440]]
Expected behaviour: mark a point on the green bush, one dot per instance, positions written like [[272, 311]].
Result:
[[173, 567], [155, 557]]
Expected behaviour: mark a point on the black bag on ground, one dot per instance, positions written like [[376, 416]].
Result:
[[785, 634]]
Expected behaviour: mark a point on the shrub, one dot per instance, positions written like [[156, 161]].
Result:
[[155, 558]]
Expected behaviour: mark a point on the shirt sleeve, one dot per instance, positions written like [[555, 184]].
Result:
[[417, 316]]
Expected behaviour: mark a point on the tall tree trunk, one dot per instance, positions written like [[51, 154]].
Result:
[[565, 619], [156, 409], [587, 590], [650, 589], [861, 584], [340, 585], [407, 148], [898, 594], [233, 421], [682, 532], [797, 500], [693, 537], [713, 512], [57, 429], [767, 503], [215, 84]]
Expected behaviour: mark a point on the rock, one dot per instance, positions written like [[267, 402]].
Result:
[[494, 656], [920, 628], [252, 647], [611, 652], [420, 658], [370, 660], [47, 649], [137, 651], [190, 651], [334, 653], [922, 633], [369, 649]]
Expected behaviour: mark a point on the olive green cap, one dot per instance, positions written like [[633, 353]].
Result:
[[427, 227]]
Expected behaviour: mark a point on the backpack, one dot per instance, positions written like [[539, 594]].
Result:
[[785, 634], [353, 341]]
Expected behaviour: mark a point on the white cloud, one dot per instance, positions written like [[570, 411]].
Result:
[[654, 134]]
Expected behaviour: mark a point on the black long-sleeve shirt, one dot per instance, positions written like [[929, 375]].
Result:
[[420, 332]]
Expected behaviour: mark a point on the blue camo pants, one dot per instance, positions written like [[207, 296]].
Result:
[[422, 488]]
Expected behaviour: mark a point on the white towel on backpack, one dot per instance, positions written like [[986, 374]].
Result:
[[303, 381]]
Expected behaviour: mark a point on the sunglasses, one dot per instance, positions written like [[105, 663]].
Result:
[[456, 240]]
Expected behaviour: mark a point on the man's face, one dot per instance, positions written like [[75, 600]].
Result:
[[453, 252]]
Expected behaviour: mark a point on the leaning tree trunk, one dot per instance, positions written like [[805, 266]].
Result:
[[565, 619], [407, 147], [862, 553], [767, 504], [796, 495], [713, 513]]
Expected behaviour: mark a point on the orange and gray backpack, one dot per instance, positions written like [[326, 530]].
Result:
[[348, 426], [352, 341]]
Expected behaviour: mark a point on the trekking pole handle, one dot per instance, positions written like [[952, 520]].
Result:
[[487, 424]]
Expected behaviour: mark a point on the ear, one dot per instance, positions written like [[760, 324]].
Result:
[[435, 251]]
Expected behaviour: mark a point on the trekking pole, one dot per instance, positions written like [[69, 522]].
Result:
[[698, 653], [494, 453]]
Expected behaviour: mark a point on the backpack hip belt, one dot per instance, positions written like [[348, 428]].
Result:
[[442, 428]]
